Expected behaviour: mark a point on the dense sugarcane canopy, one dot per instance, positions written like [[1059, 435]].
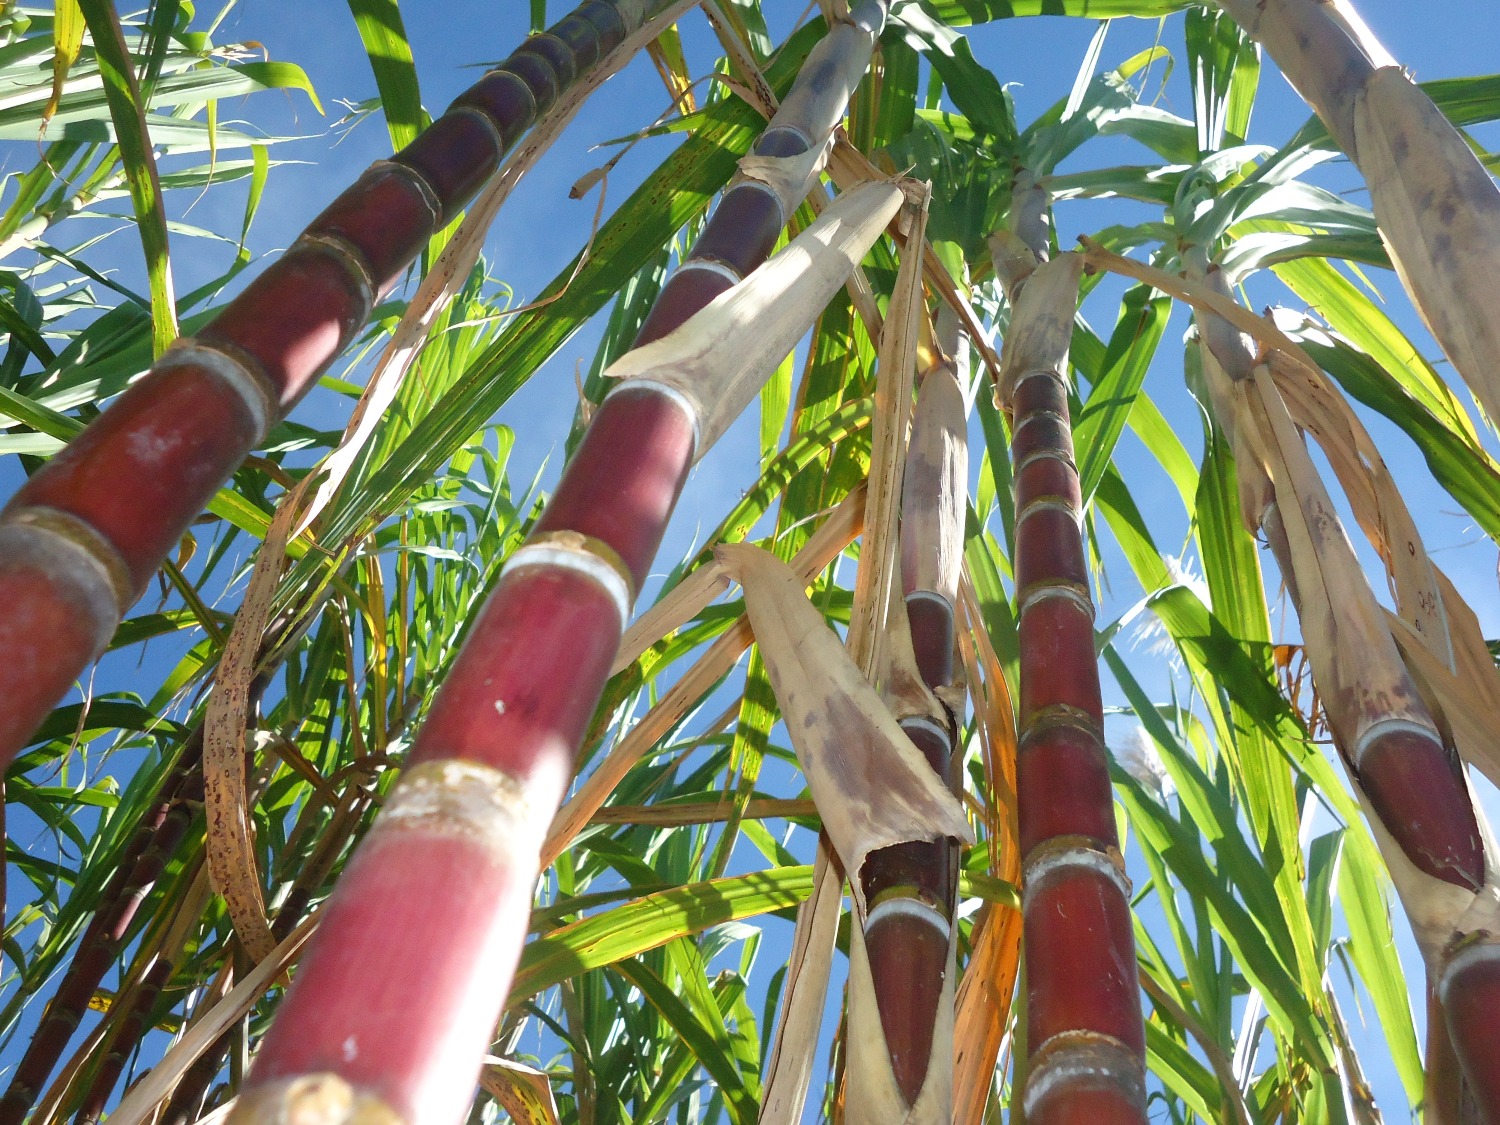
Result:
[[1281, 979]]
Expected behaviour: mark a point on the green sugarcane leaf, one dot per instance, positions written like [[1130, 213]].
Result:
[[1132, 346], [127, 111], [67, 38], [649, 922], [1363, 888], [1172, 1061], [383, 34]]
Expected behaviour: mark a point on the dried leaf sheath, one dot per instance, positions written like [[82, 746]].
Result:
[[1085, 1037], [412, 963], [1437, 206], [902, 962], [1408, 778], [82, 538]]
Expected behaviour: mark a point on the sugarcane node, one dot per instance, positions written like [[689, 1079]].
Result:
[[555, 53], [1049, 589], [458, 797], [782, 141], [1052, 503], [386, 217], [1073, 1061], [456, 154], [1475, 949], [606, 19], [572, 550], [1059, 716], [652, 386], [243, 375], [536, 71], [580, 37], [311, 1099], [906, 893], [1056, 856], [502, 96], [72, 546], [349, 256]]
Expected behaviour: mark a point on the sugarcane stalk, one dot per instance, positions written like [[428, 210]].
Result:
[[392, 1009], [1085, 1039], [908, 935], [1393, 745], [81, 539], [1437, 206], [152, 845]]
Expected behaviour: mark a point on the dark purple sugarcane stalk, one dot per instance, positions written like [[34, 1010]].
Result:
[[1085, 1038], [912, 887], [151, 847], [81, 539], [401, 987]]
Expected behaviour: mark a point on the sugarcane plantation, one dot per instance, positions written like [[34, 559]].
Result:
[[869, 561]]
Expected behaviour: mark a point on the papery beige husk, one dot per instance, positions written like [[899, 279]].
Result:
[[721, 356], [873, 788], [1439, 215], [789, 1068], [871, 1094], [1041, 326], [935, 488]]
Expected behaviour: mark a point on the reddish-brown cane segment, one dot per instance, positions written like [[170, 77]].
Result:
[[150, 463]]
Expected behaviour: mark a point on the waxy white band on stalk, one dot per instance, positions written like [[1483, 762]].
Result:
[[324, 1097], [765, 188], [68, 548], [775, 127], [243, 379], [687, 405], [929, 596], [1060, 455], [1037, 416], [1051, 590], [579, 560], [712, 266], [1083, 1058], [1382, 727], [904, 907], [1050, 504], [1039, 373], [1055, 860], [937, 730], [348, 256], [452, 796], [1479, 953]]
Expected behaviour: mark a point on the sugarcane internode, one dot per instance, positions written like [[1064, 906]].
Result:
[[81, 539], [1085, 1035]]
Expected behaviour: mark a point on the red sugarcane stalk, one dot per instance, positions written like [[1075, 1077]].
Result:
[[401, 987], [81, 539], [912, 887], [1085, 1036]]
